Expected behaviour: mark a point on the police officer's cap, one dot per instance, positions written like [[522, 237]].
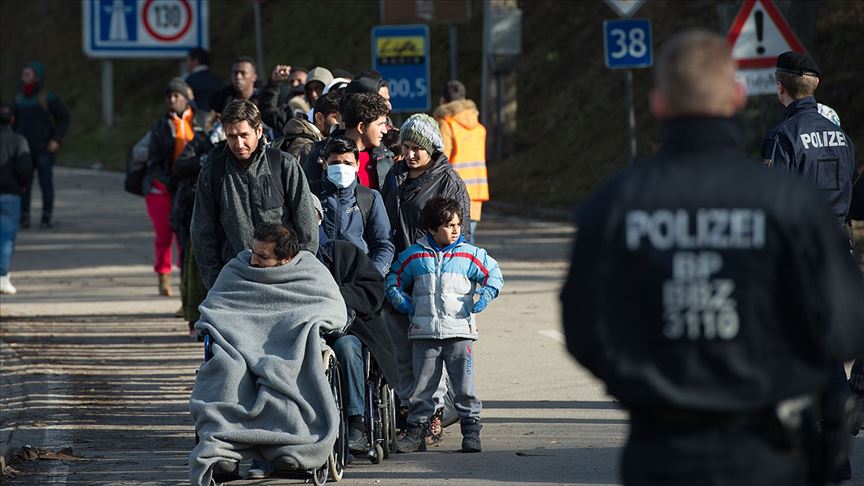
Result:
[[797, 63]]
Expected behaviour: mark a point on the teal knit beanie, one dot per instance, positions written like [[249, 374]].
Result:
[[423, 130]]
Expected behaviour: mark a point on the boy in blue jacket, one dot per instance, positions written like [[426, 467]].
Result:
[[441, 272]]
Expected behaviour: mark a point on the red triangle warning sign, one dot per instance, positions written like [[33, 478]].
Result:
[[759, 34]]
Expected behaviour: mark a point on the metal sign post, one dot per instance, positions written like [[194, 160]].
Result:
[[118, 29], [627, 45]]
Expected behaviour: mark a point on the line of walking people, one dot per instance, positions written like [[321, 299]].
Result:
[[294, 154]]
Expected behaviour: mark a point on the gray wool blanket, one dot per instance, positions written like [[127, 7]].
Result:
[[264, 392]]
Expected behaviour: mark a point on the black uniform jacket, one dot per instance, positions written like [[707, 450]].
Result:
[[809, 145], [702, 280]]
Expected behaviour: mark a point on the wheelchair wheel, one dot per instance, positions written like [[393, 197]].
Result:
[[388, 420], [336, 459], [320, 475]]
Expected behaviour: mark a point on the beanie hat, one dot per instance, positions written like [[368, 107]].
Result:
[[177, 85], [423, 130]]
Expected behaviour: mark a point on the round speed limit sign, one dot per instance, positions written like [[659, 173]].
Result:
[[167, 20]]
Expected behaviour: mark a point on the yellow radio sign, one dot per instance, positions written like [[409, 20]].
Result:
[[401, 47]]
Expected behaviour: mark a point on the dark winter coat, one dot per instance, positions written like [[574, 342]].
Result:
[[343, 220], [40, 117], [226, 95], [702, 281], [404, 198], [194, 156], [296, 137], [362, 287], [811, 146], [204, 85], [160, 153], [16, 163]]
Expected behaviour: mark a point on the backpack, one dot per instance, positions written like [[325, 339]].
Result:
[[136, 166], [217, 176], [363, 196]]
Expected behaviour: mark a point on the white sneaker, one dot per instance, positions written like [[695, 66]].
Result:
[[6, 286]]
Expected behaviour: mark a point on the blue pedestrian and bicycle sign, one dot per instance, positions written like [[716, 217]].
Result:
[[627, 43], [143, 28], [401, 54]]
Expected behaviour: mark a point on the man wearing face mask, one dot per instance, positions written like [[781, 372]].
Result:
[[353, 212]]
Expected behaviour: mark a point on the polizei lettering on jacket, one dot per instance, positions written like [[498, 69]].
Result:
[[703, 228], [823, 139]]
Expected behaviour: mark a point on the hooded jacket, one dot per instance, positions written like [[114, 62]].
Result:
[[343, 220], [465, 146], [41, 116], [442, 283], [247, 200], [297, 137], [404, 198]]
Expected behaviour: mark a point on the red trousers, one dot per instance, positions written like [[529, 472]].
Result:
[[159, 210]]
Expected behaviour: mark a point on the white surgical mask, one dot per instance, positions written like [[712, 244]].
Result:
[[341, 175]]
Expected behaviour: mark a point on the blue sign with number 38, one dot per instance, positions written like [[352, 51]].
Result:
[[627, 43]]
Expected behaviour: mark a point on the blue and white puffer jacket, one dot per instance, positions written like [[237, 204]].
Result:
[[442, 283]]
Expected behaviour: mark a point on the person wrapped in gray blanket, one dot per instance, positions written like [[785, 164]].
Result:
[[264, 393]]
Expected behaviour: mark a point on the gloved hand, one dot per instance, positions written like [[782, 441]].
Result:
[[486, 295], [400, 300]]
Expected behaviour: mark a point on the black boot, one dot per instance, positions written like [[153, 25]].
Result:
[[356, 434], [471, 436]]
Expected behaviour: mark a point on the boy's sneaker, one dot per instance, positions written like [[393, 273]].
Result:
[[435, 432], [6, 286], [412, 440], [471, 437]]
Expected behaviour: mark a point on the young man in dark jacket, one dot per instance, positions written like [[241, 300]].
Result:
[[42, 119], [365, 119], [346, 215], [16, 173]]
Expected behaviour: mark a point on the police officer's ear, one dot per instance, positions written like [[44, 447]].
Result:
[[739, 97]]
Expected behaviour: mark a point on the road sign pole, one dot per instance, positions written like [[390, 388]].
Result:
[[108, 92], [631, 115]]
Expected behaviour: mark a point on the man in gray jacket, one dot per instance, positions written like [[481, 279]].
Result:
[[244, 186]]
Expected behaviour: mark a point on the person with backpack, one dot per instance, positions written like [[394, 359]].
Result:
[[365, 118], [353, 212], [42, 119], [244, 186], [168, 138]]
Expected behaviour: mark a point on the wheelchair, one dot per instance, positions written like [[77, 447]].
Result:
[[334, 468], [380, 417]]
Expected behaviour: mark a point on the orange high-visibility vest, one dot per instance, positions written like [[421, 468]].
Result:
[[469, 158]]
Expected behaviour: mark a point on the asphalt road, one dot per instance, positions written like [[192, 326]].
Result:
[[96, 371]]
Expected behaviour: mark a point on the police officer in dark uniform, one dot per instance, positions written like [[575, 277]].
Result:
[[809, 145], [806, 143], [710, 294]]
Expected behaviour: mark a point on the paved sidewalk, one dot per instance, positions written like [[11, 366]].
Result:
[[97, 373]]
